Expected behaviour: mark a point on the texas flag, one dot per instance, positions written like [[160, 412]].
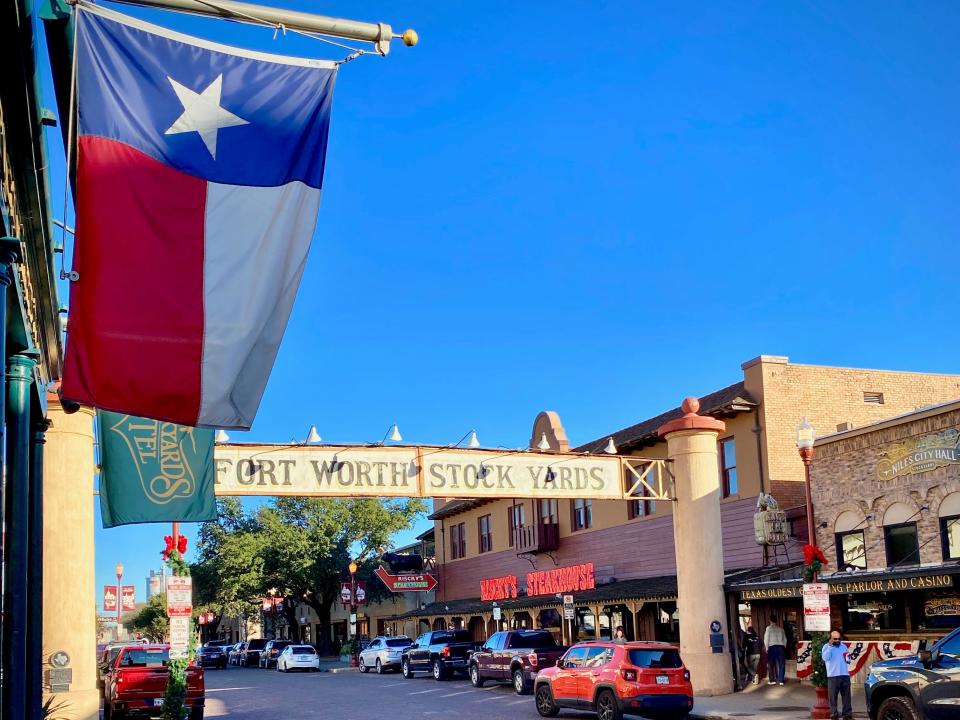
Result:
[[199, 169]]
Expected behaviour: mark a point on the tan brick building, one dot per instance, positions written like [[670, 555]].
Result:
[[886, 499], [630, 543]]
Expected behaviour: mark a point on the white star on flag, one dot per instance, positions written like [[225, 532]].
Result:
[[202, 113]]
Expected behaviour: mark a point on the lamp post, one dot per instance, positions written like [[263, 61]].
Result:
[[351, 621], [119, 569], [805, 438]]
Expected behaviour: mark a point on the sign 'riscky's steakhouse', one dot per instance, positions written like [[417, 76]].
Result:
[[414, 472]]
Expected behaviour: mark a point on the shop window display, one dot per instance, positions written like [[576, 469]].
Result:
[[874, 611]]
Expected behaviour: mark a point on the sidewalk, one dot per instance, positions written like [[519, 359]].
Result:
[[334, 664], [770, 702]]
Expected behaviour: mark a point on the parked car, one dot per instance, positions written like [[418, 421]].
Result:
[[383, 653], [514, 656], [136, 683], [270, 653], [235, 652], [213, 653], [925, 686], [251, 653], [298, 657], [439, 652], [105, 659], [636, 678]]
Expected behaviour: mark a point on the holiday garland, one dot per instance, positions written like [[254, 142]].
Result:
[[813, 561], [173, 701]]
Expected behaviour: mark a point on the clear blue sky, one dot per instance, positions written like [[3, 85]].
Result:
[[599, 208]]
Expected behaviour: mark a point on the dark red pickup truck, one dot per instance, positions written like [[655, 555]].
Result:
[[136, 682], [514, 656]]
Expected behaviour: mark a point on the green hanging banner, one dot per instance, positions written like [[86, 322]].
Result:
[[154, 471]]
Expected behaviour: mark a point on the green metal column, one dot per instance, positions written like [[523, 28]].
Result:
[[35, 580], [20, 370], [9, 254]]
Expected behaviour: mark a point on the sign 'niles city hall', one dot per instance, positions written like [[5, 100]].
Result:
[[430, 472]]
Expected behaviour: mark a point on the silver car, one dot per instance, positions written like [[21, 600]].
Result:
[[383, 653]]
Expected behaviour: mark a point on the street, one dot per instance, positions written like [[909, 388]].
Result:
[[264, 694]]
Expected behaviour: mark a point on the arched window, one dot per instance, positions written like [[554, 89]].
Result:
[[851, 543], [900, 535], [950, 526]]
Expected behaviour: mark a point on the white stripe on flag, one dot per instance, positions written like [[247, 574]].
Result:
[[257, 239]]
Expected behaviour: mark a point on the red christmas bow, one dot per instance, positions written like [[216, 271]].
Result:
[[811, 553], [181, 545]]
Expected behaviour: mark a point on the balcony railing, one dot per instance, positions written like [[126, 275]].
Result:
[[542, 537]]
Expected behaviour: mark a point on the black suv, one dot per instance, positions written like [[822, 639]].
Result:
[[271, 652], [925, 686]]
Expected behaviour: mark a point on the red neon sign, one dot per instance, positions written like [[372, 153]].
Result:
[[561, 580], [498, 588]]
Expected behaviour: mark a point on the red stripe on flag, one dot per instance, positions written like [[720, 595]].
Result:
[[135, 336]]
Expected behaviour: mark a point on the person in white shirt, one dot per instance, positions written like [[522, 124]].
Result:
[[775, 640]]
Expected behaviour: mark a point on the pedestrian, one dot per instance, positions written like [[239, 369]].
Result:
[[775, 640], [834, 654], [750, 645], [619, 638]]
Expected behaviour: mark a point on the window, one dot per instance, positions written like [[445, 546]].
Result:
[[496, 642], [950, 534], [582, 511], [902, 548], [574, 657], [548, 512], [458, 541], [641, 508], [515, 519], [851, 550], [728, 467], [871, 612], [598, 656], [873, 398], [655, 658], [533, 639], [486, 533]]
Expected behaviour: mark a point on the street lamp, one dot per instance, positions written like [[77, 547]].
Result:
[[119, 569], [805, 438], [351, 621]]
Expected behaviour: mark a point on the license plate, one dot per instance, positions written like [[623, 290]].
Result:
[[303, 658], [663, 680], [158, 702]]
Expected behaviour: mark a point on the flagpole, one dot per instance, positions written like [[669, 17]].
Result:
[[380, 34]]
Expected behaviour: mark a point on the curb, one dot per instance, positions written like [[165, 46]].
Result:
[[341, 670]]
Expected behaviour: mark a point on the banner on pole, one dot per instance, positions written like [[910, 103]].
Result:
[[109, 598], [152, 471], [129, 597]]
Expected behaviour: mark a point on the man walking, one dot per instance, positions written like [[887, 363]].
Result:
[[751, 654], [775, 639], [834, 656]]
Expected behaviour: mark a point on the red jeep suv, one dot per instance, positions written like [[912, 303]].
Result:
[[643, 678]]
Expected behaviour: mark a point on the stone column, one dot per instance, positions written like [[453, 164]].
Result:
[[692, 446], [69, 610]]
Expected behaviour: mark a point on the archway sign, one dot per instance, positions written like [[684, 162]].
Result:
[[431, 471]]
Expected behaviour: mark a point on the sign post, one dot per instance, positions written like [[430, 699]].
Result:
[[179, 610], [816, 607], [569, 615]]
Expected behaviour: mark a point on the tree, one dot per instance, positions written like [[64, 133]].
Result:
[[311, 541], [150, 620], [297, 547], [228, 577]]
